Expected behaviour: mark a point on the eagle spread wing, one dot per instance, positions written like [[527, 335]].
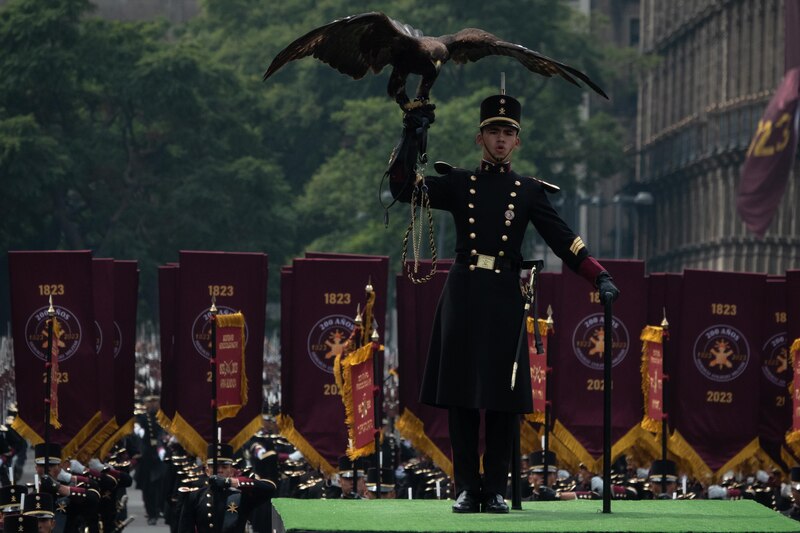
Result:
[[352, 45], [472, 44]]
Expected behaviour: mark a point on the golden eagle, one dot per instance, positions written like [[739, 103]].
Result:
[[355, 44]]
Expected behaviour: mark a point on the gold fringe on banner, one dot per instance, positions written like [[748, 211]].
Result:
[[689, 457], [290, 433], [573, 445], [793, 435], [191, 440], [537, 417], [234, 320], [788, 458], [413, 429], [163, 420], [530, 440], [71, 448], [244, 435], [88, 450], [346, 365], [124, 429], [649, 334], [26, 431], [750, 458]]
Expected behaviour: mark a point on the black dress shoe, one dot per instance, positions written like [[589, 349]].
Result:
[[494, 503], [467, 502]]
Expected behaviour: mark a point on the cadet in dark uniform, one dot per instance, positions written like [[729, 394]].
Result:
[[477, 322], [39, 505], [76, 500], [224, 505], [661, 471], [149, 466]]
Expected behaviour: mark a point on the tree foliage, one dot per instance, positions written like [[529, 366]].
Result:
[[137, 140]]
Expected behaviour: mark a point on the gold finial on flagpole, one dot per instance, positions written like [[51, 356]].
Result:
[[213, 305], [375, 335], [502, 83], [664, 321], [358, 315], [369, 288], [549, 320], [51, 311]]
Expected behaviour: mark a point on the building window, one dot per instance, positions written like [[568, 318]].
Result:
[[633, 32]]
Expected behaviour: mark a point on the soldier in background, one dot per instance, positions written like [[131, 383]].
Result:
[[661, 471], [11, 501], [76, 499], [793, 511], [18, 446], [539, 489], [387, 484], [39, 505], [226, 501], [149, 465]]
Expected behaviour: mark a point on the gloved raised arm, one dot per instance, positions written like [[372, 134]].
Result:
[[405, 155]]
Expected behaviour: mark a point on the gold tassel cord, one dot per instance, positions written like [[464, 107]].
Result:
[[413, 229]]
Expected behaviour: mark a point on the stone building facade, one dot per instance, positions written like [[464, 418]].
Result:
[[720, 62]]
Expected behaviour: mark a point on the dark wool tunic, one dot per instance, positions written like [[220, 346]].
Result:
[[478, 319]]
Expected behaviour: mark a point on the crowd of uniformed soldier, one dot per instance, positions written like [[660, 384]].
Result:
[[191, 496]]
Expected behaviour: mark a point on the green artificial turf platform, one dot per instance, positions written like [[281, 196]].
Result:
[[577, 515]]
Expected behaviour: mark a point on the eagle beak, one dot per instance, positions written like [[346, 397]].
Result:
[[437, 64]]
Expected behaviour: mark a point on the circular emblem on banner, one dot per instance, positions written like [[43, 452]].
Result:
[[327, 339], [721, 353], [98, 340], [776, 366], [201, 330], [588, 341], [117, 339], [67, 340]]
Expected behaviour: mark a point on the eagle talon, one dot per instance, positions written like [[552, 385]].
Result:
[[416, 104]]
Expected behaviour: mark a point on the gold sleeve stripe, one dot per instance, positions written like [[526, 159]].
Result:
[[577, 245]]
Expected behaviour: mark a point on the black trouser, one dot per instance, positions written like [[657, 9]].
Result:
[[464, 427]]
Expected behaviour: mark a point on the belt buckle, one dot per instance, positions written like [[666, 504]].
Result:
[[485, 261]]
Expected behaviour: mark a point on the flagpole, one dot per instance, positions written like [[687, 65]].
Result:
[[664, 415], [213, 361], [51, 313], [608, 357]]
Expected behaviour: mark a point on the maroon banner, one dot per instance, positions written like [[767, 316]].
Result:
[[578, 368], [356, 390], [424, 426], [167, 321], [538, 368], [231, 377], [770, 156], [67, 277], [238, 281], [653, 379], [717, 422], [325, 293], [775, 413]]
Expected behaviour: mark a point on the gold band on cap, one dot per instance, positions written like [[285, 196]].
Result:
[[500, 119]]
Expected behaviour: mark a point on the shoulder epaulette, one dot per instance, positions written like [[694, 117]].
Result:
[[549, 187], [443, 167]]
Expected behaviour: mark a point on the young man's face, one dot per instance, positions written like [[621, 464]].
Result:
[[224, 470], [46, 525], [497, 141]]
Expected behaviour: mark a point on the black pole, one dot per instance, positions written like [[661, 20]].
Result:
[[213, 361], [608, 356], [48, 366], [378, 412]]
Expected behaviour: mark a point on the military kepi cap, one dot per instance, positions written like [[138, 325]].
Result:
[[51, 450], [663, 468], [21, 524], [39, 505], [536, 460], [502, 110], [794, 475], [11, 497], [224, 454]]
